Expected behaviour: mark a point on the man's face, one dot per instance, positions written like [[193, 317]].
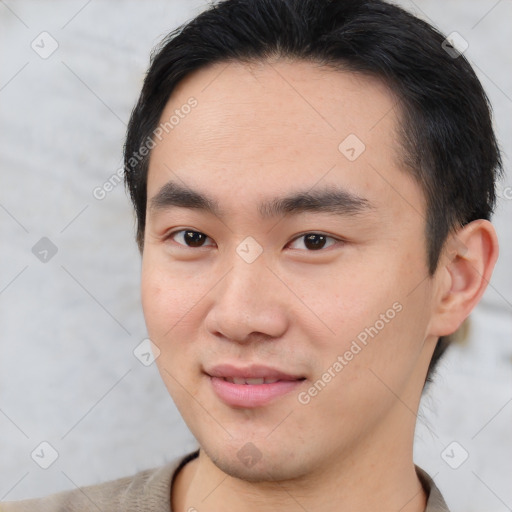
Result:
[[327, 292]]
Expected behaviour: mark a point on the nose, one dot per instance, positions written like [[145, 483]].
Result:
[[248, 304]]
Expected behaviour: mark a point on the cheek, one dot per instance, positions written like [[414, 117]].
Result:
[[166, 310], [168, 295], [173, 305], [369, 313], [341, 301], [153, 300]]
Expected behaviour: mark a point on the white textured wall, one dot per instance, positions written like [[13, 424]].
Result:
[[68, 326]]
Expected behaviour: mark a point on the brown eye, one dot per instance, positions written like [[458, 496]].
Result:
[[189, 238], [313, 241]]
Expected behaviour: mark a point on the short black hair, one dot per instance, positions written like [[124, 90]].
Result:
[[446, 132]]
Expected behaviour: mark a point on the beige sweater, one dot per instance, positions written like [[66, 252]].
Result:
[[148, 491]]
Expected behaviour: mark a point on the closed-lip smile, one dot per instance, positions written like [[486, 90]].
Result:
[[229, 371], [250, 386]]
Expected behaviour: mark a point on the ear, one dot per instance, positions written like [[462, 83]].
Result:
[[463, 274]]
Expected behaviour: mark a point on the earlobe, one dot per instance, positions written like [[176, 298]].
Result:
[[465, 269]]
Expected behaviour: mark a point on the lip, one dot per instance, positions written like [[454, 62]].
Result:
[[250, 372], [251, 395]]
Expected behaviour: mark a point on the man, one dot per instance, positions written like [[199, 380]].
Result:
[[313, 182]]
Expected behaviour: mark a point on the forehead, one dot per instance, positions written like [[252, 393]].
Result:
[[265, 127]]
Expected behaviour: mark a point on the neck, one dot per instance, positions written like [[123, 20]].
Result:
[[377, 477]]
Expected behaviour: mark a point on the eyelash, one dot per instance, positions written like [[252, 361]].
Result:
[[174, 233]]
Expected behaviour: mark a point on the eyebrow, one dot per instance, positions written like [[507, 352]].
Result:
[[330, 199]]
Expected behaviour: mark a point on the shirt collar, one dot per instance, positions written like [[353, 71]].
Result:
[[435, 500]]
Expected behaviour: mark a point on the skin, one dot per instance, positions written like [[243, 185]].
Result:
[[266, 130]]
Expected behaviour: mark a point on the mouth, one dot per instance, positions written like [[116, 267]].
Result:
[[252, 382], [252, 386]]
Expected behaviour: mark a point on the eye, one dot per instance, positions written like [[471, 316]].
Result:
[[189, 238], [313, 241]]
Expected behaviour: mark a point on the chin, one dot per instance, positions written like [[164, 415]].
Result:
[[256, 465]]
